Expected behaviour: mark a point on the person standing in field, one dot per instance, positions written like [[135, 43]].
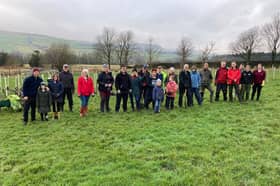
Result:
[[44, 101], [170, 90], [196, 82], [105, 81], [221, 81], [206, 80], [85, 90], [185, 85], [144, 74], [158, 96], [151, 83], [171, 72], [123, 88], [234, 76], [66, 77], [160, 73], [56, 89], [259, 76], [29, 91], [246, 82], [136, 90]]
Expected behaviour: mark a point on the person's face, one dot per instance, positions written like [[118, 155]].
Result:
[[206, 66], [154, 73], [36, 74], [159, 70], [186, 67], [223, 64], [248, 68], [158, 83], [43, 87], [105, 69], [259, 67], [233, 65], [65, 68], [55, 78], [123, 69]]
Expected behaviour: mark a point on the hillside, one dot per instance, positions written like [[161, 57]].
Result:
[[26, 43]]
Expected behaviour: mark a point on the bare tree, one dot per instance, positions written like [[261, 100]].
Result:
[[124, 47], [105, 46], [271, 33], [206, 51], [184, 50], [246, 43], [59, 54], [152, 51]]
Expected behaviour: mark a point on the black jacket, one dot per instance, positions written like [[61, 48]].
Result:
[[123, 82], [185, 79], [103, 79], [67, 79], [44, 101], [31, 85], [246, 77]]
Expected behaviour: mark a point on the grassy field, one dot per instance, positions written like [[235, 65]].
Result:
[[216, 144]]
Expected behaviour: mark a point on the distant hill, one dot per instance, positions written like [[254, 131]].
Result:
[[26, 43]]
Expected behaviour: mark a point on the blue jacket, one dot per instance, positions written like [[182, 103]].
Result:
[[56, 89], [30, 86], [158, 93], [196, 79]]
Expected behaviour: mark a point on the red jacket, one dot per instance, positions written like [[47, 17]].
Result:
[[221, 76], [171, 89], [85, 86], [234, 76]]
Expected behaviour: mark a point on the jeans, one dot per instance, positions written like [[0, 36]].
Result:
[[124, 97], [84, 101], [220, 87], [256, 88], [135, 98], [157, 106], [31, 102], [195, 91]]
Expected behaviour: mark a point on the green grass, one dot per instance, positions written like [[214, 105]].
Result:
[[216, 144]]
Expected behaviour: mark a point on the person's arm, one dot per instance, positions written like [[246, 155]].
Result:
[[217, 74], [117, 85], [154, 94], [73, 84], [37, 100], [79, 87], [50, 99], [92, 88], [99, 80], [61, 89]]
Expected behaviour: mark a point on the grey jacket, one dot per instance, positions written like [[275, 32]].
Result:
[[206, 76], [44, 101]]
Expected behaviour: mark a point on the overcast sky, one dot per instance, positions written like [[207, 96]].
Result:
[[164, 20]]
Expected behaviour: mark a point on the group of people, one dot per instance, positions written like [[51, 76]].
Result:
[[142, 88]]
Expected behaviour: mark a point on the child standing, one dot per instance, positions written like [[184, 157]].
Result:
[[258, 81], [158, 95], [171, 89], [246, 82], [196, 81], [44, 101], [56, 89], [136, 92]]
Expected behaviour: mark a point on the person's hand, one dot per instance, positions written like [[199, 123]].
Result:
[[25, 98], [79, 95], [109, 85], [130, 90], [47, 88], [93, 94], [118, 91], [57, 95]]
